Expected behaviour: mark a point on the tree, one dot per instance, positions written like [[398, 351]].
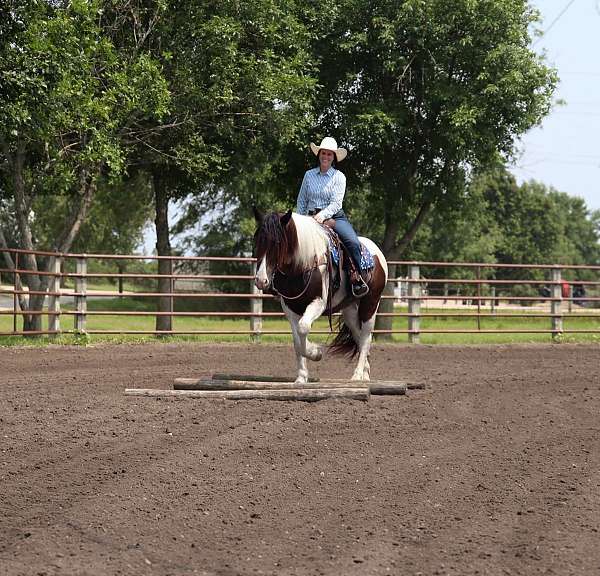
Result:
[[529, 223], [537, 224], [118, 214], [69, 103], [424, 91], [502, 222], [239, 77]]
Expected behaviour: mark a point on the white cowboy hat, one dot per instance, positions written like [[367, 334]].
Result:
[[328, 143]]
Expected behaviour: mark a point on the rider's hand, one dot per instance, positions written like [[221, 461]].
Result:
[[319, 218]]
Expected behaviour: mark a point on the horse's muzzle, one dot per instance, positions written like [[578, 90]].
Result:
[[261, 283]]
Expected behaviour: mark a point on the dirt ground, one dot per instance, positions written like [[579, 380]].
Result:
[[494, 468]]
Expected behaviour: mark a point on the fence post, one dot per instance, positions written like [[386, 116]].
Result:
[[570, 298], [54, 301], [256, 305], [172, 291], [493, 301], [414, 305], [478, 298], [555, 306], [15, 296], [81, 301]]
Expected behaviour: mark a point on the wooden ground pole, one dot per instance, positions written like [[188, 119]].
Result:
[[376, 387], [306, 395], [255, 378]]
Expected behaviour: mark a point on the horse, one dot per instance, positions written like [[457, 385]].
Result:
[[293, 262]]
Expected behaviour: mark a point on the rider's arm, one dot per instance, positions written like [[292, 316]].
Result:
[[337, 197], [302, 204]]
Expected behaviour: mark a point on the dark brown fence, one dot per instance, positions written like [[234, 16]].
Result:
[[552, 292]]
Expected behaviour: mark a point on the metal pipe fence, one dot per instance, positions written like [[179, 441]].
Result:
[[556, 293]]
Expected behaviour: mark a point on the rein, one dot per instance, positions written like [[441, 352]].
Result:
[[312, 269], [317, 263], [325, 259]]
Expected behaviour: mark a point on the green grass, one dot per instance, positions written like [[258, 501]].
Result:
[[147, 323]]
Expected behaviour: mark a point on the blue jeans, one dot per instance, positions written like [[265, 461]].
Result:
[[348, 236]]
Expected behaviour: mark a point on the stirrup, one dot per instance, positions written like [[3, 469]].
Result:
[[359, 288]]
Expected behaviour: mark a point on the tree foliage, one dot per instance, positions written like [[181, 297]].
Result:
[[239, 75], [506, 223], [107, 103], [422, 92], [191, 93], [69, 104]]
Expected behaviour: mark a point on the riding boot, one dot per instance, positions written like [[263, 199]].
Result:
[[359, 286]]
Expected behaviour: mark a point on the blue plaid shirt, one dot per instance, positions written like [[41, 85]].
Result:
[[325, 191]]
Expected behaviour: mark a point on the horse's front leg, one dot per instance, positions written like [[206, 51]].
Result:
[[312, 312], [294, 318]]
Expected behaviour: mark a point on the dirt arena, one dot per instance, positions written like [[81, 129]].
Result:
[[494, 468]]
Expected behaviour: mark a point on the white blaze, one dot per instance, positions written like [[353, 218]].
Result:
[[262, 275]]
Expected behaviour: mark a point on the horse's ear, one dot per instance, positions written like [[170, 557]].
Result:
[[285, 218], [258, 215]]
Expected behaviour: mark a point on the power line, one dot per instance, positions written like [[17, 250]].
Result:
[[566, 102], [585, 74], [533, 149], [575, 113], [566, 162], [554, 21]]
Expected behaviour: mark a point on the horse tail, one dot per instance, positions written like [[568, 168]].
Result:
[[344, 343]]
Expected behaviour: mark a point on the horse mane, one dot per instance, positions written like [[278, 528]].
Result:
[[312, 241], [296, 245]]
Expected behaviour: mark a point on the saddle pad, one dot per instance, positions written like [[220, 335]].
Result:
[[366, 258]]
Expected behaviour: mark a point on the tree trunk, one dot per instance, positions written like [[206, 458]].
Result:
[[393, 250], [34, 302], [163, 248], [387, 305], [121, 267], [37, 283], [11, 264], [33, 322]]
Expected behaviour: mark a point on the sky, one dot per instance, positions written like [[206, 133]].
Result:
[[564, 152]]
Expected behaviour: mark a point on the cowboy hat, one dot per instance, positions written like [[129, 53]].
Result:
[[328, 143]]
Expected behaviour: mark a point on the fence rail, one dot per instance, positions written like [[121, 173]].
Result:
[[23, 282]]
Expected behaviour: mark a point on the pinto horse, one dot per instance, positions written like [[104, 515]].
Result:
[[292, 253]]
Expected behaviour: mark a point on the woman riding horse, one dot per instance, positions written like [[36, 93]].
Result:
[[321, 196]]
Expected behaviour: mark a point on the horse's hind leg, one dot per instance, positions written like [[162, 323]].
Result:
[[363, 368], [362, 336]]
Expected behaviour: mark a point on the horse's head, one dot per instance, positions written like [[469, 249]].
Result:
[[275, 242]]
